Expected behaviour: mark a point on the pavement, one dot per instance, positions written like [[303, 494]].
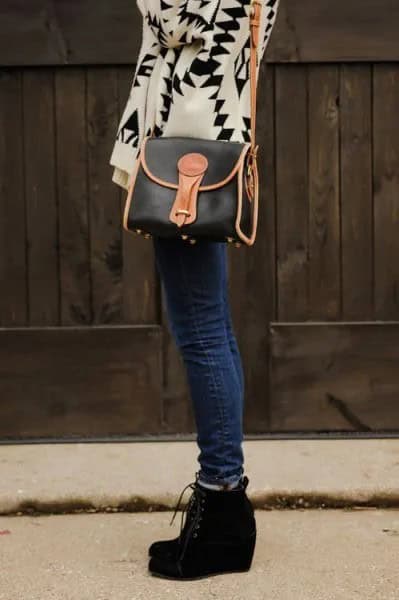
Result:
[[310, 554], [145, 476], [76, 520]]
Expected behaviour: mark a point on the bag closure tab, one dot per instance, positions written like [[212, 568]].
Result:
[[191, 168]]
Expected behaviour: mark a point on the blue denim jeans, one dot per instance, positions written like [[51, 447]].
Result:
[[194, 279]]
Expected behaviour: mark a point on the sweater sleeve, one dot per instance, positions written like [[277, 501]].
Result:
[[132, 125]]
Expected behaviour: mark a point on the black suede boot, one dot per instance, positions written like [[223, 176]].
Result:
[[218, 536], [164, 548]]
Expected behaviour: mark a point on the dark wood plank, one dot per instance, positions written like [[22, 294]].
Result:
[[104, 197], [140, 286], [344, 30], [75, 32], [252, 270], [292, 192], [13, 275], [83, 381], [72, 187], [69, 32], [41, 199], [356, 192], [324, 217], [386, 190], [266, 234], [335, 377]]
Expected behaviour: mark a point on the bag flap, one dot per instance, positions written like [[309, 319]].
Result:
[[159, 157]]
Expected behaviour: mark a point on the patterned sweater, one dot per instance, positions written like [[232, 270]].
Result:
[[191, 76]]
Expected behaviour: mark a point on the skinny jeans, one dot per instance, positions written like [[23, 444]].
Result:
[[194, 278]]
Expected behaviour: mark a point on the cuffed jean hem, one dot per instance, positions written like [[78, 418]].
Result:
[[224, 483]]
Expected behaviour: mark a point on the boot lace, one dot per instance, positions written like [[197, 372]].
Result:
[[193, 510]]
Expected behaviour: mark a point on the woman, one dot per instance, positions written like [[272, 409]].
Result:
[[192, 79]]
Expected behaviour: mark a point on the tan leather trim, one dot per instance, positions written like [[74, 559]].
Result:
[[249, 241], [130, 193], [255, 13], [249, 183], [254, 23], [202, 188]]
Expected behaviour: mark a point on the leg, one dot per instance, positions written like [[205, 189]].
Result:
[[194, 280]]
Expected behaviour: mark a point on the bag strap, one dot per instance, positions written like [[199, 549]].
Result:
[[254, 23]]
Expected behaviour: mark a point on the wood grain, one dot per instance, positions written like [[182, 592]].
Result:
[[140, 285], [13, 267], [41, 196], [69, 32], [103, 198], [324, 209], [356, 192], [292, 192], [335, 376], [386, 190], [72, 187], [72, 32], [340, 31], [80, 381]]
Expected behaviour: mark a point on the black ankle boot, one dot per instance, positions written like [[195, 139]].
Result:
[[218, 536], [165, 548]]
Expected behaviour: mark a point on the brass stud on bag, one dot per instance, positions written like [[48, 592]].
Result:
[[193, 241], [147, 236], [229, 239], [138, 231], [184, 236]]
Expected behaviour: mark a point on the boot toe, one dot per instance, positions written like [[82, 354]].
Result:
[[164, 567]]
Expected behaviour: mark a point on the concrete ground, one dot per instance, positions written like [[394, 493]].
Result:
[[101, 554], [300, 555], [145, 475]]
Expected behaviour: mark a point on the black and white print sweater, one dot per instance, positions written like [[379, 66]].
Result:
[[191, 76]]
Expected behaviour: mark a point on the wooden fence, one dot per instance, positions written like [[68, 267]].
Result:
[[85, 348]]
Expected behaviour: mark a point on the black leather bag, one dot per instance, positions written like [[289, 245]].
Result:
[[198, 188]]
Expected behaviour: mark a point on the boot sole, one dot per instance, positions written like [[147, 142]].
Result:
[[238, 569], [155, 574]]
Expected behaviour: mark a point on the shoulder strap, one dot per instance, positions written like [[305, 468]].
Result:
[[254, 23]]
